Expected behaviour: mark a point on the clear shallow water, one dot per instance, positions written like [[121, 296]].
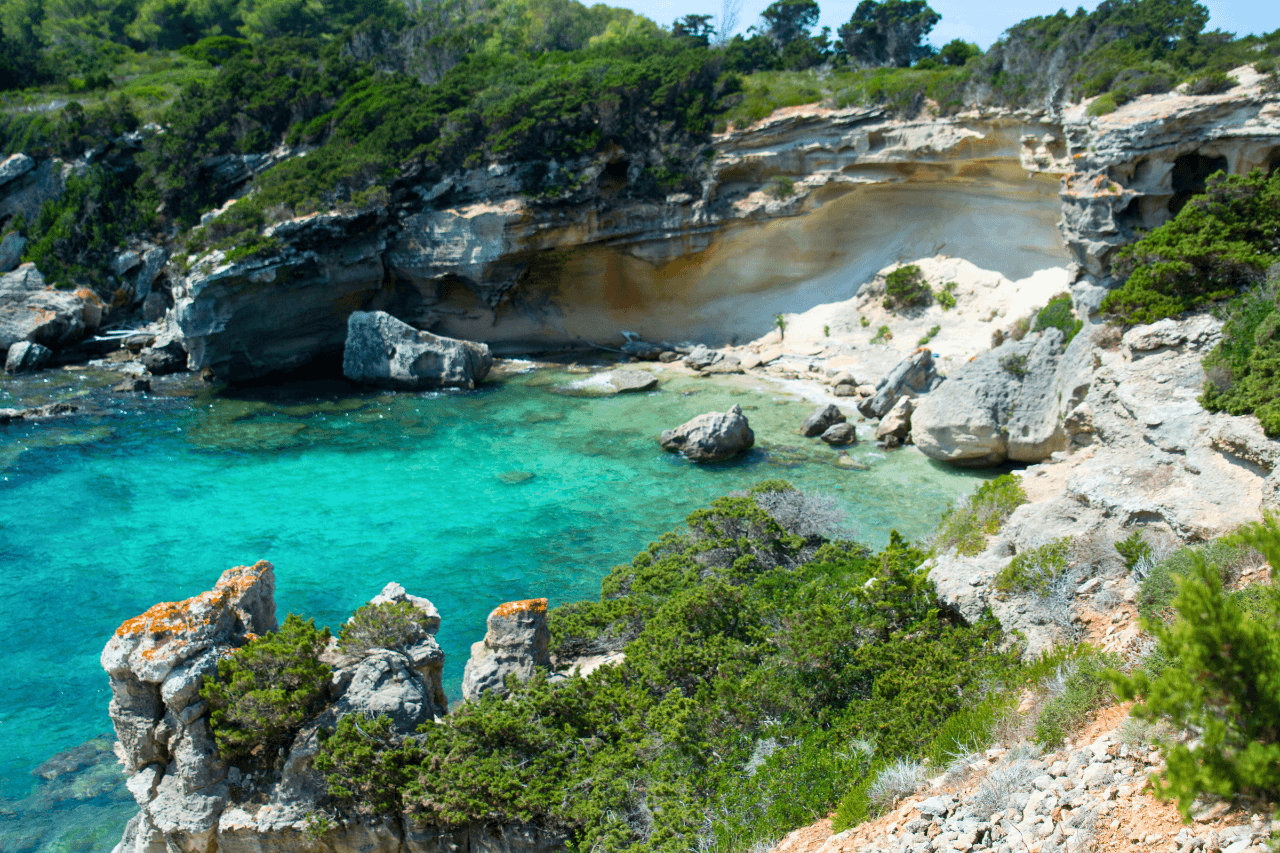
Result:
[[103, 516]]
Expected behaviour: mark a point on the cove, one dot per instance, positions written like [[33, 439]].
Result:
[[514, 491]]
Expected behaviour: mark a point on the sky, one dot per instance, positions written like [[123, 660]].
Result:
[[979, 21]]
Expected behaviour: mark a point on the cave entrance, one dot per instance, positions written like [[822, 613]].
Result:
[[1273, 161], [1190, 171], [614, 176]]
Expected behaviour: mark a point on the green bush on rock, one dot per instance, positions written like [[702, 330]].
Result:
[[905, 288], [387, 625], [266, 689], [1218, 245], [965, 528]]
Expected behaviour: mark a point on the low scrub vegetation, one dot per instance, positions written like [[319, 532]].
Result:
[[906, 288], [1222, 664], [965, 528], [266, 690]]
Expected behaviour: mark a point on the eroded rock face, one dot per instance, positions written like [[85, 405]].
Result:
[[1134, 168], [517, 643], [32, 311], [381, 350], [712, 437]]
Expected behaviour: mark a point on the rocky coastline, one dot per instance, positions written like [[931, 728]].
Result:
[[1107, 426]]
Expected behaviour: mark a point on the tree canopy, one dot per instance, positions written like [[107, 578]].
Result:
[[889, 33]]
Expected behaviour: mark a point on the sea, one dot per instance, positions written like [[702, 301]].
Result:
[[530, 486]]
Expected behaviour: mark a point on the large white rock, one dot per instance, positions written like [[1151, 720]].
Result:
[[1002, 405], [382, 350]]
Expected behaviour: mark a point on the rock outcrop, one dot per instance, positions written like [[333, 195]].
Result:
[[1134, 168], [1001, 406], [383, 351], [32, 311], [516, 643], [914, 375], [191, 800], [712, 437]]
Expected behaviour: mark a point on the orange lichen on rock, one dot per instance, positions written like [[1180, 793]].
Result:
[[514, 608], [170, 617]]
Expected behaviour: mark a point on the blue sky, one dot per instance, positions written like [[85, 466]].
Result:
[[971, 20]]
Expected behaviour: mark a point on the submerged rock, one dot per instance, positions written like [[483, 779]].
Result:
[[517, 643], [382, 350], [632, 381], [712, 437]]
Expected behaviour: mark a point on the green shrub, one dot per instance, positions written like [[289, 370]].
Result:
[[1158, 589], [1221, 681], [266, 689], [388, 625], [946, 297], [1015, 363], [905, 288], [1035, 569], [933, 330], [863, 321], [965, 528], [781, 187], [1210, 83], [1103, 104], [1084, 689], [1133, 548], [1240, 372], [1059, 314], [1219, 245], [883, 335]]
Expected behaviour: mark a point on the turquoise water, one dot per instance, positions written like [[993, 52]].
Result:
[[470, 499]]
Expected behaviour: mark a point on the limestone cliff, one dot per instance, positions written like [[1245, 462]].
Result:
[[798, 209]]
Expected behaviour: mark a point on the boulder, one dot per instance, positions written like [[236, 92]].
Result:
[[711, 437], [820, 419], [845, 390], [383, 351], [1002, 405], [840, 434], [165, 355], [14, 166], [895, 426], [914, 375], [516, 643], [11, 251], [700, 358], [643, 350], [26, 357], [31, 311]]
